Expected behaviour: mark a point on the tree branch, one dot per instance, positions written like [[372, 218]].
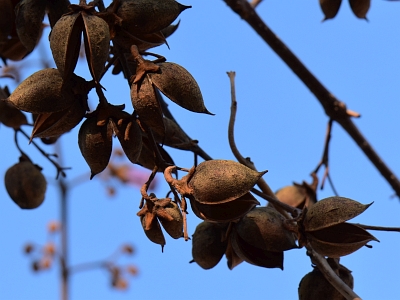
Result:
[[334, 108]]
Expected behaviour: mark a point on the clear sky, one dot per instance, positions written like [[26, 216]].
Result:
[[280, 125]]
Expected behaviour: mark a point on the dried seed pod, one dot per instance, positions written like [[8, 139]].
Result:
[[25, 184], [360, 8], [267, 230], [147, 158], [174, 225], [146, 105], [330, 8], [220, 181], [11, 116], [208, 244], [130, 137], [232, 258], [224, 212], [43, 92], [95, 143], [55, 10], [153, 232], [314, 286], [29, 17], [178, 84], [148, 16], [6, 21], [331, 211], [97, 44], [174, 136]]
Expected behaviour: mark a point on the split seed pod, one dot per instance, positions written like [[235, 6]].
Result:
[[95, 143], [330, 8], [153, 231], [173, 225], [25, 184]]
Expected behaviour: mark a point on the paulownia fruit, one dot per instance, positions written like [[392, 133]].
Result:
[[173, 224], [360, 8], [330, 8]]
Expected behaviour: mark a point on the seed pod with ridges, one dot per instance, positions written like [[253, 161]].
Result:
[[65, 42], [97, 44], [330, 8], [153, 232], [360, 8], [178, 84], [42, 92], [331, 211], [29, 17], [130, 138], [208, 246], [25, 184], [174, 227], [147, 16], [220, 181], [146, 105], [95, 143]]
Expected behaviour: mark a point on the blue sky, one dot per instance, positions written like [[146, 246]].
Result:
[[280, 125]]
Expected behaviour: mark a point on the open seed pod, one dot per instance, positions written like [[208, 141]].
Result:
[[232, 258], [330, 8], [29, 17], [360, 8], [25, 184], [178, 84], [208, 244], [43, 92], [298, 195], [314, 286], [224, 212], [173, 224], [148, 16], [153, 231], [95, 143]]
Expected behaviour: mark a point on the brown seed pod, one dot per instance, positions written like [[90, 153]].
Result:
[[232, 258], [95, 143], [220, 181], [153, 232], [9, 115], [330, 8], [331, 211], [174, 225], [208, 244], [178, 84], [29, 17], [43, 92], [174, 136], [146, 105], [6, 21], [147, 158], [148, 16], [360, 8], [25, 184]]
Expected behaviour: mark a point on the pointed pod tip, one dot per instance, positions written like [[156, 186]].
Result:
[[92, 175], [208, 113]]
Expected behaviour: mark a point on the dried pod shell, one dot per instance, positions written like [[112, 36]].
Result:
[[11, 116], [360, 8], [147, 158], [220, 181], [25, 184], [130, 137], [208, 245], [331, 211], [174, 136], [153, 232], [97, 44], [174, 227], [178, 84], [42, 92], [314, 286], [6, 21], [232, 258], [292, 195], [29, 17], [95, 143], [330, 8], [267, 230], [147, 16]]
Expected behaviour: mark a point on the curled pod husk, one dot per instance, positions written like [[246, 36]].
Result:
[[95, 143], [267, 230], [97, 44], [148, 16], [130, 137], [208, 244], [254, 255], [29, 17], [220, 181], [153, 232], [65, 42], [360, 8], [314, 286], [43, 92], [6, 20], [178, 84], [331, 211], [330, 8], [25, 184], [146, 105], [58, 123], [339, 240], [11, 116], [174, 225], [224, 212]]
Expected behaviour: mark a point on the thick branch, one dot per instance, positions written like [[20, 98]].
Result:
[[334, 108]]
